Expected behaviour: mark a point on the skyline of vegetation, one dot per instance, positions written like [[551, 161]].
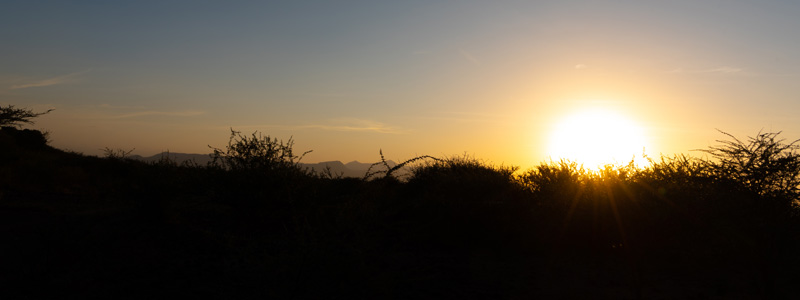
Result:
[[255, 224]]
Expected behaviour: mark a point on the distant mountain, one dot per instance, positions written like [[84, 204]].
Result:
[[355, 165], [336, 168], [351, 169]]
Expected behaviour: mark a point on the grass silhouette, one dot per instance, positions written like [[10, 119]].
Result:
[[254, 224]]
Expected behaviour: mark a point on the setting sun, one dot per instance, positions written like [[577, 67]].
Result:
[[597, 137]]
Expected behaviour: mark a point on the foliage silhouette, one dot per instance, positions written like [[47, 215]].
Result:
[[253, 224]]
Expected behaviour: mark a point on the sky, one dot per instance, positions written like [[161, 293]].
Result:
[[346, 79]]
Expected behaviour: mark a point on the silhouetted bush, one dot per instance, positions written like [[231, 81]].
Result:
[[256, 152], [12, 138], [562, 179], [463, 178]]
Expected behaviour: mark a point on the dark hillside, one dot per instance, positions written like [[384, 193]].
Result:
[[255, 224]]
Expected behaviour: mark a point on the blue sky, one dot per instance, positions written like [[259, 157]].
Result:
[[347, 78]]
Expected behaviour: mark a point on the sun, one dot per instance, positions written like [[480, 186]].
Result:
[[597, 137]]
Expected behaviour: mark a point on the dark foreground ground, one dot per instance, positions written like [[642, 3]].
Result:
[[79, 227]]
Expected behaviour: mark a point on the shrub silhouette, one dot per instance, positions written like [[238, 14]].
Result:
[[462, 178], [11, 119], [256, 152], [13, 139], [552, 177]]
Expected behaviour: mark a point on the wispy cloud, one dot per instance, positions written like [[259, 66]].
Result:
[[344, 125], [468, 56], [325, 94], [68, 78], [462, 116], [379, 128], [719, 70], [114, 106], [190, 113]]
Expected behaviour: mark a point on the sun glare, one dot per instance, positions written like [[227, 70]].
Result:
[[597, 137]]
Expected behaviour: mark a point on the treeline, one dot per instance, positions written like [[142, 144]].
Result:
[[255, 224]]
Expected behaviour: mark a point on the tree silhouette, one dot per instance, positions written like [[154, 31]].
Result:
[[764, 164], [11, 116]]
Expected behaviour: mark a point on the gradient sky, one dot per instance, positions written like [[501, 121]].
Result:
[[347, 78]]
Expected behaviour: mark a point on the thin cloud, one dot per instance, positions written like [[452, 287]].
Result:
[[112, 106], [49, 81], [325, 95], [379, 128], [352, 125], [355, 125], [461, 116], [468, 56], [726, 70], [719, 70], [158, 113]]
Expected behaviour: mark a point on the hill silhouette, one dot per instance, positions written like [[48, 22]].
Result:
[[255, 224]]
